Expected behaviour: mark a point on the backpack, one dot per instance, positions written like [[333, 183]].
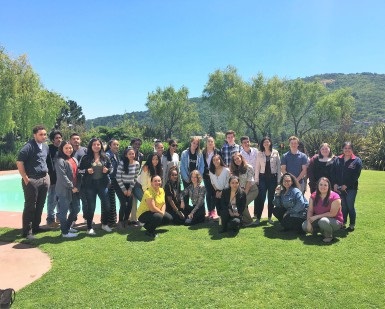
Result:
[[7, 297]]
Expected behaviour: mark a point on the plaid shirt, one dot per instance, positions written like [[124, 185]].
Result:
[[227, 152]]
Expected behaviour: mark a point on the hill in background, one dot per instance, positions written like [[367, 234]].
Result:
[[367, 88]]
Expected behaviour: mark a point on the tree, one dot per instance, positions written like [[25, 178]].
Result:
[[256, 106], [374, 148], [71, 118], [309, 106], [7, 94], [172, 113]]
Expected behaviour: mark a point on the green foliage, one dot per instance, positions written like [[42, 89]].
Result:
[[24, 103], [8, 161], [368, 89], [172, 114], [256, 107], [312, 141], [374, 148]]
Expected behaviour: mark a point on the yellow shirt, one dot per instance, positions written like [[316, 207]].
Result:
[[150, 193]]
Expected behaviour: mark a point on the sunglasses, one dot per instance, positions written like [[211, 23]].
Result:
[[174, 145]]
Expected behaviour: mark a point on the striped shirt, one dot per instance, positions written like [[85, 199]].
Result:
[[130, 178]]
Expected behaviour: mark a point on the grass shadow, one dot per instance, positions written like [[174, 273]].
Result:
[[276, 231]]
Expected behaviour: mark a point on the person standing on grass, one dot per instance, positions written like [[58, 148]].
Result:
[[249, 153], [152, 208], [290, 204], [32, 165], [151, 168], [67, 189], [295, 162], [78, 153], [79, 150], [324, 213], [95, 167], [267, 176], [126, 178], [196, 192], [229, 147], [345, 173], [112, 151], [219, 176], [244, 171], [191, 159], [208, 152], [320, 165], [170, 159], [136, 143], [233, 202], [56, 138]]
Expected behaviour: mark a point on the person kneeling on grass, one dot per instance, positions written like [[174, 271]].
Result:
[[290, 204], [196, 192], [233, 203], [324, 213], [152, 208]]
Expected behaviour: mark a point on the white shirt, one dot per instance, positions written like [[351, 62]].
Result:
[[250, 157]]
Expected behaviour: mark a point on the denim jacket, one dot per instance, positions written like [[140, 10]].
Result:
[[294, 202]]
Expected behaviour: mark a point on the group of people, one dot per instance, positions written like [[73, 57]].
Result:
[[173, 190]]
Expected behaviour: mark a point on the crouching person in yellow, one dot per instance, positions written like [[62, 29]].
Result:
[[152, 208]]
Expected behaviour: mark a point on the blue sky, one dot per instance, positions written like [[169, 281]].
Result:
[[107, 56]]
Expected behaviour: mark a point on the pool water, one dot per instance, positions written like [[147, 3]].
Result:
[[11, 193], [12, 197]]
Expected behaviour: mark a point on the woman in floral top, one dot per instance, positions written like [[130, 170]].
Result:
[[196, 192]]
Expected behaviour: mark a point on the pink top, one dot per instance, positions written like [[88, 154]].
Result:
[[319, 209]]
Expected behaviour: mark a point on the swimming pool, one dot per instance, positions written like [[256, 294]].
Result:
[[11, 193], [12, 197]]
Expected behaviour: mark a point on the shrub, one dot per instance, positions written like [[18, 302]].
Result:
[[373, 154]]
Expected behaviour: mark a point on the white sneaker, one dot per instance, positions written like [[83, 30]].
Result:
[[106, 228], [69, 235], [31, 237], [72, 230], [91, 232]]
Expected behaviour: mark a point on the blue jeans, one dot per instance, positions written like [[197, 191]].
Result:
[[52, 203], [266, 185], [97, 189], [65, 205], [347, 201]]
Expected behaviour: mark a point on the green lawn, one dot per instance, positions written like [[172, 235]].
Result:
[[197, 268]]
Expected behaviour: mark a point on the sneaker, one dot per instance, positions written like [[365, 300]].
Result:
[[39, 230], [69, 235], [72, 230], [350, 228], [270, 221], [106, 228], [249, 224], [256, 222], [91, 232], [30, 237], [53, 225]]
